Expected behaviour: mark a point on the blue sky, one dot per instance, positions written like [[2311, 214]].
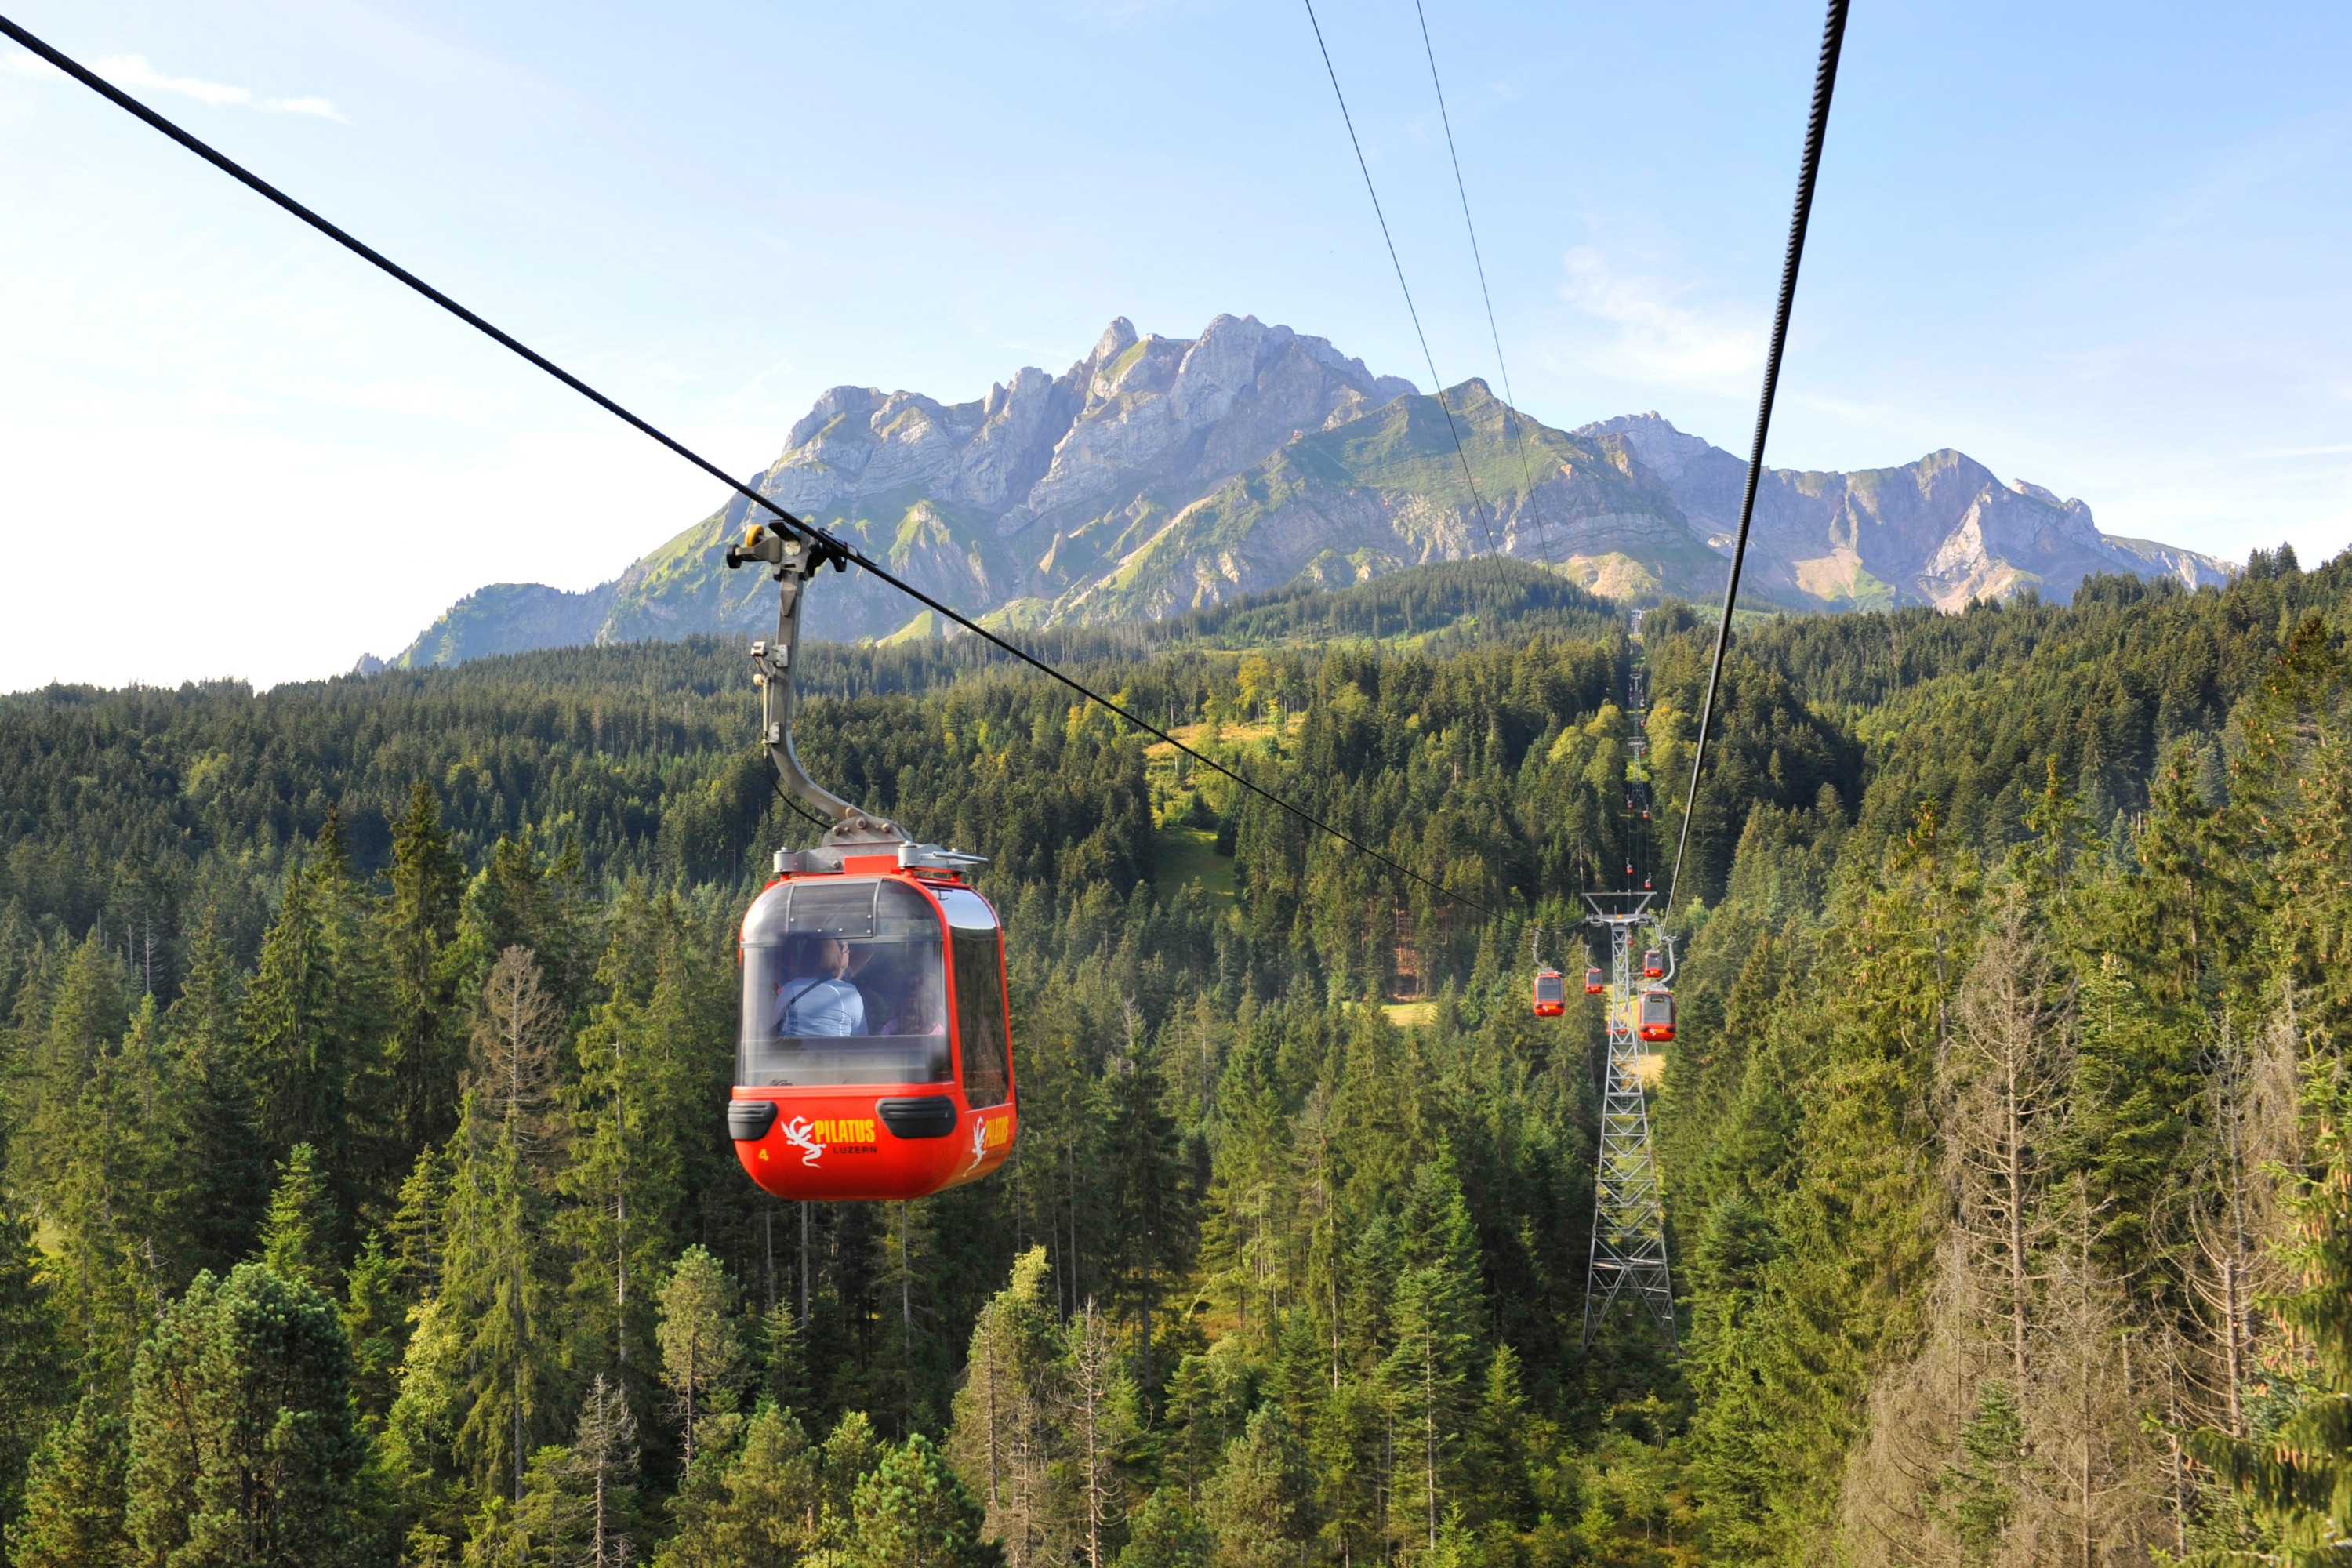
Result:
[[2102, 247]]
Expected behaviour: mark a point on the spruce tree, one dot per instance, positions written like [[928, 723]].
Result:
[[101, 1201], [32, 1376], [1099, 1420], [484, 1356], [1165, 1533], [1427, 1376], [1256, 1505], [1006, 1438], [783, 1366], [415, 925], [375, 1317], [298, 1235], [291, 1021], [218, 1177], [63, 1026], [2298, 1479], [579, 1501]]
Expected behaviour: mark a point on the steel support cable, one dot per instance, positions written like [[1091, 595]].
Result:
[[1485, 525], [1817, 127], [817, 536], [1510, 398]]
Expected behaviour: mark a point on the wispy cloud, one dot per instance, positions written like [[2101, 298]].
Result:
[[1658, 336], [133, 71], [2304, 452], [22, 62]]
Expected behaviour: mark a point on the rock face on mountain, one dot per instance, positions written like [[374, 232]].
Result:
[[1942, 530], [1159, 474]]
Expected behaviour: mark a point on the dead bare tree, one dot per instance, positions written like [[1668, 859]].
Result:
[[2007, 1075]]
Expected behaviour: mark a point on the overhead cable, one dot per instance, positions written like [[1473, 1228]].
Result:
[[818, 537], [1817, 127], [1485, 525], [1510, 398]]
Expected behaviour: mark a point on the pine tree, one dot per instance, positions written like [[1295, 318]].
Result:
[[764, 1511], [1165, 1533], [243, 1450], [849, 1453], [73, 1510], [701, 1351], [912, 1512]]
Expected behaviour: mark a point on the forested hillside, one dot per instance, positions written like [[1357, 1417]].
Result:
[[368, 1198]]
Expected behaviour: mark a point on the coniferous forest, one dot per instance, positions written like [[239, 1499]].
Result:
[[368, 1198]]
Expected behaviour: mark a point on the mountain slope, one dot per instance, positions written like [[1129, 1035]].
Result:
[[1163, 474]]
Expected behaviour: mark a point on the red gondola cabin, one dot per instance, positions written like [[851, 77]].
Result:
[[1656, 1021], [1595, 982], [875, 1058], [1551, 994], [1654, 964]]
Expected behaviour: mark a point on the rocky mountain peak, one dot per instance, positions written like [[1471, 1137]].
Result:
[[1159, 473]]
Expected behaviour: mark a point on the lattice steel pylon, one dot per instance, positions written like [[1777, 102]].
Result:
[[1629, 1213]]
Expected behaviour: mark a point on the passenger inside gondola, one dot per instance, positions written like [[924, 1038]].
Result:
[[915, 1005], [844, 983], [819, 998]]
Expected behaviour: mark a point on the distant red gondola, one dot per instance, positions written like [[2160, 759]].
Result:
[[1595, 982], [1656, 1021], [1551, 994], [1654, 964]]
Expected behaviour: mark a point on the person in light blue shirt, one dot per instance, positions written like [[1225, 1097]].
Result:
[[819, 998]]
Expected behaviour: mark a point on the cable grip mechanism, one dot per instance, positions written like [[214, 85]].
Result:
[[795, 559]]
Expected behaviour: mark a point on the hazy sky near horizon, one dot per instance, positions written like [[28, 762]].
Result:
[[2101, 247]]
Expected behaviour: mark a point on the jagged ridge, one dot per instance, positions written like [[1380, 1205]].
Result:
[[1163, 474]]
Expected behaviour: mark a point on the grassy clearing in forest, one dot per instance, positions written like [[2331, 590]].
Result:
[[1182, 855]]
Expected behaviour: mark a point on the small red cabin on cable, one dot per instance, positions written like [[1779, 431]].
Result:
[[875, 1057], [1657, 1020], [1551, 994], [1654, 964], [1595, 982]]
